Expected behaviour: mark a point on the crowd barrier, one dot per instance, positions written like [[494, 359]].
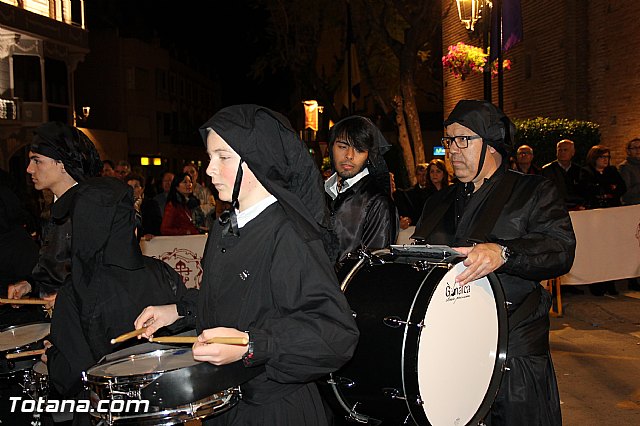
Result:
[[183, 253]]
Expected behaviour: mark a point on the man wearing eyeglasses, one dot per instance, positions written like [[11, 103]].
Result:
[[516, 226], [524, 161]]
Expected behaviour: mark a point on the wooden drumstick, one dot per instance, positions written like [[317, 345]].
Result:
[[25, 353], [192, 339], [24, 301], [126, 336]]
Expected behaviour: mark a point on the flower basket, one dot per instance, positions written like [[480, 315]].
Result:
[[463, 60]]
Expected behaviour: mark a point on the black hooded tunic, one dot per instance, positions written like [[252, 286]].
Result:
[[275, 279], [112, 282]]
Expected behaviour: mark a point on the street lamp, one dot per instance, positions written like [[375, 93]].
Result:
[[469, 12], [86, 110]]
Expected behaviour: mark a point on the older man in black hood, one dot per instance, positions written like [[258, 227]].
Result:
[[517, 226], [60, 156]]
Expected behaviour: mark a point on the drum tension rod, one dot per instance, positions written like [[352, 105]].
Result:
[[395, 322]]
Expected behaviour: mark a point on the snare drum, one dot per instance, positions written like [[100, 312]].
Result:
[[430, 352], [177, 387], [17, 339], [16, 375]]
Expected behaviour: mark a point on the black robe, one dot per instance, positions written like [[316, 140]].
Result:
[[283, 290], [363, 216], [535, 226], [112, 282]]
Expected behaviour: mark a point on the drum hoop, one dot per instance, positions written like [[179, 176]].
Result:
[[205, 407], [501, 353], [131, 378], [15, 327]]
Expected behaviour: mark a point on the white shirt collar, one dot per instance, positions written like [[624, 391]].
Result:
[[252, 212], [331, 185]]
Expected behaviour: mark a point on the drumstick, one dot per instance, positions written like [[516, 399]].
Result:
[[24, 301], [25, 353], [126, 336], [193, 339]]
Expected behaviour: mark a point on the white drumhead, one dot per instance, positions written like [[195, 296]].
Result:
[[457, 350], [41, 368], [16, 337], [151, 362]]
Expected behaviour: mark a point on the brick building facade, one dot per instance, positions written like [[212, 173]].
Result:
[[577, 61]]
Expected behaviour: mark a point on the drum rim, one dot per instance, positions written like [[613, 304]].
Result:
[[501, 352], [121, 379], [187, 410], [26, 346]]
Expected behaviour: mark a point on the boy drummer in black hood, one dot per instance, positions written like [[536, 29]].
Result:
[[266, 273]]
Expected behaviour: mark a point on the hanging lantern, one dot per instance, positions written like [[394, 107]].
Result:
[[469, 11]]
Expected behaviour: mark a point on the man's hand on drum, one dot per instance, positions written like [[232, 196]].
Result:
[[47, 345], [18, 290], [482, 259], [217, 353], [156, 317]]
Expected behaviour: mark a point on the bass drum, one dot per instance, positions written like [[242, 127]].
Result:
[[430, 352]]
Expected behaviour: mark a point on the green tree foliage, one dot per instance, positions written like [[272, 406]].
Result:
[[542, 134]]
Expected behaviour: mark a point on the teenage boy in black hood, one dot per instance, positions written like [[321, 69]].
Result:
[[60, 156], [267, 275], [363, 214], [517, 226]]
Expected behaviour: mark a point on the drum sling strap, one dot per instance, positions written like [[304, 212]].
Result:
[[490, 213]]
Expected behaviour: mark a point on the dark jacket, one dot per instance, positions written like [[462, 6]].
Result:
[[566, 181], [601, 189], [363, 216]]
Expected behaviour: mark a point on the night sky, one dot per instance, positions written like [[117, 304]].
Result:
[[227, 35]]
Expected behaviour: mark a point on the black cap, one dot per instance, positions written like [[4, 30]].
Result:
[[487, 121]]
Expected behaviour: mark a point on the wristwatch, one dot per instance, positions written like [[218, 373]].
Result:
[[247, 358], [505, 253]]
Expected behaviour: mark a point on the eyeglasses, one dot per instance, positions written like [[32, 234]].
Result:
[[522, 154], [461, 142], [608, 157], [634, 148]]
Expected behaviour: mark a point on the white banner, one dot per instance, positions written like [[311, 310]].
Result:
[[608, 245], [183, 253]]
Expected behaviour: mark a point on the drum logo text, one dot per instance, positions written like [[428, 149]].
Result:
[[455, 292]]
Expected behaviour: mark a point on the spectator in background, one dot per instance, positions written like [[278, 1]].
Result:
[[600, 183], [524, 161], [410, 201], [630, 171], [601, 186], [122, 170], [438, 176], [201, 192], [161, 198], [108, 169], [565, 174], [182, 214], [147, 210]]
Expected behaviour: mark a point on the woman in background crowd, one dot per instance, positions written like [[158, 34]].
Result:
[[437, 175], [601, 186], [600, 183], [182, 214]]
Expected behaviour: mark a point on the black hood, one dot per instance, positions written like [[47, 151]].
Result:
[[265, 140]]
